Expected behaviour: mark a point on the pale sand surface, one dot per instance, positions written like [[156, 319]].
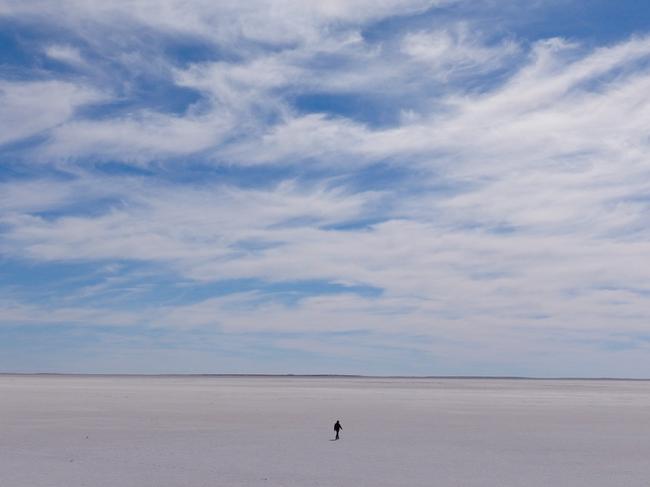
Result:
[[78, 431]]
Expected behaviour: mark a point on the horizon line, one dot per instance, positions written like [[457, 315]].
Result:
[[323, 376]]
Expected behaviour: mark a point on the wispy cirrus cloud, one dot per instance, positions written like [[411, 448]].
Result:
[[405, 172], [35, 107], [64, 53]]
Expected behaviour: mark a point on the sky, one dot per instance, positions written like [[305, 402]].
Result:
[[389, 187]]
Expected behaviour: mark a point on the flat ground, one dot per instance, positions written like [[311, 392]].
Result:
[[73, 431]]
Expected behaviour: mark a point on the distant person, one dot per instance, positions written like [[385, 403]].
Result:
[[337, 428]]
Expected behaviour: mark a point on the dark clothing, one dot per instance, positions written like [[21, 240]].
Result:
[[337, 428]]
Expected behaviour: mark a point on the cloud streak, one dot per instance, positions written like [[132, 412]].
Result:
[[442, 187]]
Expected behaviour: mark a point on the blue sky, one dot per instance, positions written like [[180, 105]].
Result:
[[376, 187]]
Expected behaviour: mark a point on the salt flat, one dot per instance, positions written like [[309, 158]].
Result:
[[73, 431]]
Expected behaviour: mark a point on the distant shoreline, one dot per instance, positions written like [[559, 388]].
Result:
[[321, 376]]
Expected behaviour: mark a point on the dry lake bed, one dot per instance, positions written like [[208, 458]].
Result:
[[138, 431]]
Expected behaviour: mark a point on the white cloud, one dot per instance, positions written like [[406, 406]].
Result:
[[139, 139], [186, 226], [530, 209], [14, 313], [431, 274], [64, 53], [240, 96], [541, 208], [311, 137], [29, 108], [225, 21], [457, 51]]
